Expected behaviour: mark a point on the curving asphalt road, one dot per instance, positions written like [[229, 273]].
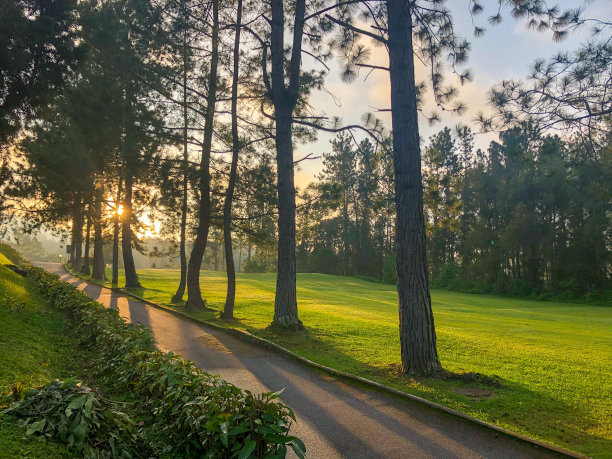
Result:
[[335, 419]]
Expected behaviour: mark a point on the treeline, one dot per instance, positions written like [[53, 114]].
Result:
[[528, 217]]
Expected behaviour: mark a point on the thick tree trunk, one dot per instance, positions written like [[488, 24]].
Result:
[[417, 331], [85, 267], [116, 224], [284, 97], [131, 278], [73, 218], [78, 234], [98, 258], [285, 302], [194, 295], [228, 309], [345, 241], [180, 291]]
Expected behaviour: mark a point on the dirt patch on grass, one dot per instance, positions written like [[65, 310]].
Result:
[[474, 393], [469, 377]]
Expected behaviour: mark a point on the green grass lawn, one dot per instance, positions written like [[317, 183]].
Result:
[[33, 350], [554, 360]]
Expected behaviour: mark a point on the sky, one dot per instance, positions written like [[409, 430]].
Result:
[[505, 51]]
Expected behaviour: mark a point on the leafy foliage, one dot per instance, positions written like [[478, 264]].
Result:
[[73, 414], [12, 254], [253, 266], [568, 92], [38, 49], [345, 221]]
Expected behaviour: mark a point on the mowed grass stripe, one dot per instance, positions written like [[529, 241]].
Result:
[[553, 360]]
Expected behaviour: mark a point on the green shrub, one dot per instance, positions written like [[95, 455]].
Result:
[[325, 260], [366, 278], [252, 266], [195, 414], [605, 298], [546, 296], [10, 253], [71, 413], [448, 275], [389, 271]]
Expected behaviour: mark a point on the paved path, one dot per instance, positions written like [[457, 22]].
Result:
[[335, 419]]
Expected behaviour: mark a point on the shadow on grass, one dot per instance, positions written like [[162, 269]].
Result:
[[140, 291]]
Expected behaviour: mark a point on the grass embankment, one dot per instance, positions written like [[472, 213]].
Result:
[[553, 360], [34, 350]]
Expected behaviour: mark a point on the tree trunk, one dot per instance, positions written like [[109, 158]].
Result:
[[116, 220], [85, 267], [73, 218], [131, 278], [194, 295], [98, 258], [180, 291], [417, 331], [228, 309], [285, 302], [78, 234], [284, 99]]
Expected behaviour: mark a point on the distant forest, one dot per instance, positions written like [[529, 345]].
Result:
[[528, 217]]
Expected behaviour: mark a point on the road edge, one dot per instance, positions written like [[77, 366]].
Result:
[[246, 336]]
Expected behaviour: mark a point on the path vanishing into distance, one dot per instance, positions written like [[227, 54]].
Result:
[[334, 418]]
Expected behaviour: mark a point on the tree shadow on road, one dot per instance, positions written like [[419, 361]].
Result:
[[534, 412]]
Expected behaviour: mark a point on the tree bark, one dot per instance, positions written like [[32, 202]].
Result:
[[228, 309], [417, 331], [78, 234], [345, 224], [284, 99], [180, 291], [98, 258], [116, 220], [85, 267], [73, 218], [194, 295], [285, 303], [131, 278]]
